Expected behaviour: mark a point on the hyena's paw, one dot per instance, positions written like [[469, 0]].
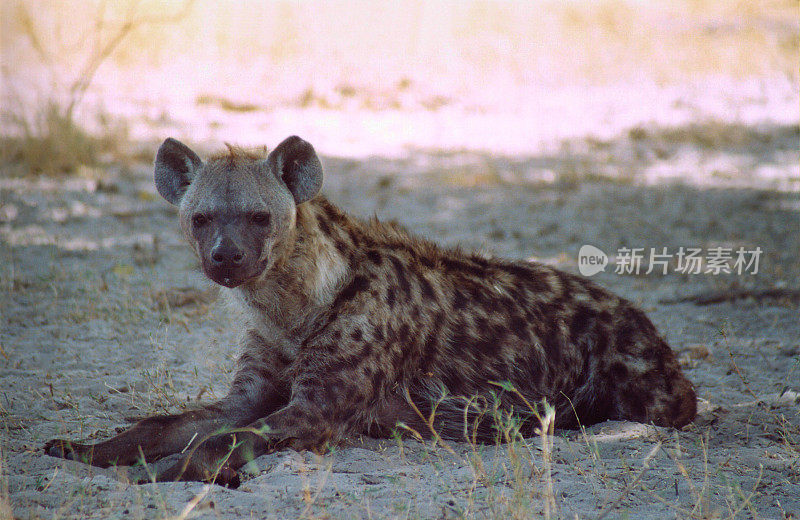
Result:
[[192, 471], [68, 450]]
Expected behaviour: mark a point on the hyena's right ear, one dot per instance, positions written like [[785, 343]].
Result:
[[176, 164]]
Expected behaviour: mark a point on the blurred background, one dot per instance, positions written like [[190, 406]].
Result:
[[92, 81]]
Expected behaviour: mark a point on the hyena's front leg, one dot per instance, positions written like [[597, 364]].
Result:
[[329, 401], [151, 438], [258, 389]]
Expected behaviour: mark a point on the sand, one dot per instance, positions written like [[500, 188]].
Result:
[[106, 317]]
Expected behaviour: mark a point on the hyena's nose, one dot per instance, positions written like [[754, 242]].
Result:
[[226, 254]]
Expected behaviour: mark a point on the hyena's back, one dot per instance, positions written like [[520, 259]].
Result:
[[454, 324]]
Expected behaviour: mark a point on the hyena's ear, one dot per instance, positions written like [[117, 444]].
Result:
[[176, 164], [296, 163]]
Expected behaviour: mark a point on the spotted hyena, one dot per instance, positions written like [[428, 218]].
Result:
[[351, 326]]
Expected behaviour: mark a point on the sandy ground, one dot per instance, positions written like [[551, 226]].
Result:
[[105, 317], [522, 130]]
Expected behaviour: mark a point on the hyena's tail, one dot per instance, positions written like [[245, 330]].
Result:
[[683, 403], [663, 397]]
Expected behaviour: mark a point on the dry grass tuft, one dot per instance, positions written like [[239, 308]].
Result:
[[53, 143]]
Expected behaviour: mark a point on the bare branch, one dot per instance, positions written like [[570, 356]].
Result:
[[81, 85]]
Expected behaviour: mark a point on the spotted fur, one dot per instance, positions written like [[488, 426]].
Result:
[[351, 326]]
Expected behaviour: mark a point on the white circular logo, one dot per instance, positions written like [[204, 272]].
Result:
[[591, 260]]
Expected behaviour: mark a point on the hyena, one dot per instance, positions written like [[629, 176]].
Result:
[[351, 326]]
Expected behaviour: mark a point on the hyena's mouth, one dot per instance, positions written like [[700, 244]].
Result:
[[226, 278], [231, 278], [229, 282], [236, 276]]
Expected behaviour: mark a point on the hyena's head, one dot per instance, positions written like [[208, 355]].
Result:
[[238, 209]]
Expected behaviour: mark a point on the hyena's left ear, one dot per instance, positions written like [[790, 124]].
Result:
[[296, 163], [176, 164]]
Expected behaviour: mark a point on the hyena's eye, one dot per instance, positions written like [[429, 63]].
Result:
[[199, 220], [260, 218]]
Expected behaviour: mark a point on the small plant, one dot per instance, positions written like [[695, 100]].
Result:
[[49, 139], [51, 142]]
